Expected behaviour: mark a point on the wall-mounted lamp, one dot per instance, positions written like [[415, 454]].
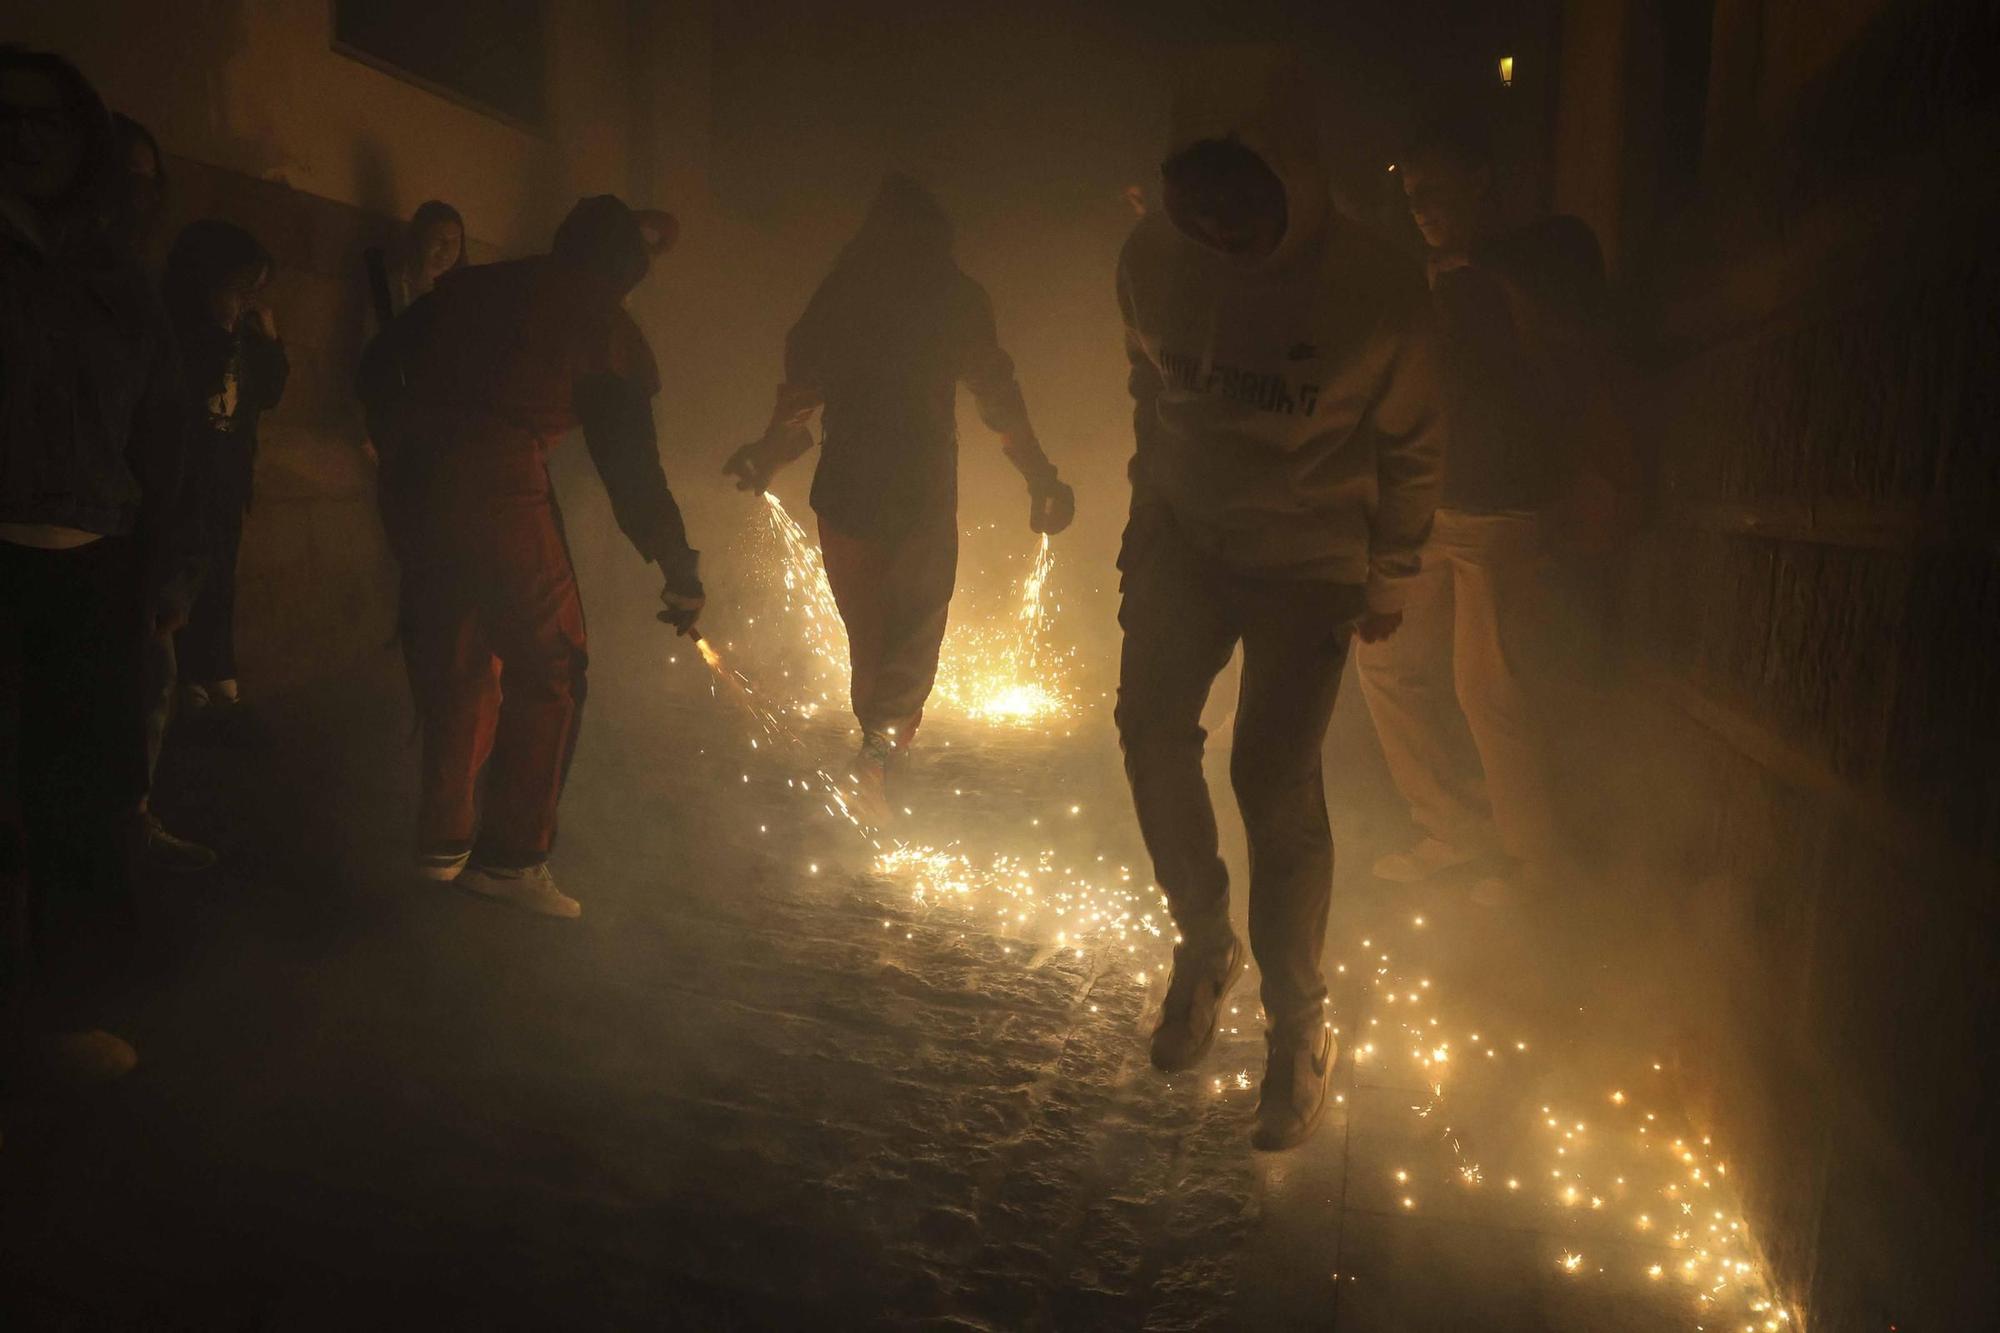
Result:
[[1507, 71]]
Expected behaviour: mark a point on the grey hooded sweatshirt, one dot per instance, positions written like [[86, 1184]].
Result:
[[1287, 408]]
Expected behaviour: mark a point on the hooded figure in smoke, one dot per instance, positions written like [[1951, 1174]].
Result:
[[882, 347], [1288, 458], [467, 392]]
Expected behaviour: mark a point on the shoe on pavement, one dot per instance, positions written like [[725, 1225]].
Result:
[[1297, 1069], [1427, 860], [532, 889], [872, 765], [169, 851], [442, 861], [1203, 974], [89, 1057]]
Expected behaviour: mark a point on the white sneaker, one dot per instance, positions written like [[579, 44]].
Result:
[[443, 861], [1427, 860], [532, 890]]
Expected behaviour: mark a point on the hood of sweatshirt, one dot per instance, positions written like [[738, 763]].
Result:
[[1260, 97]]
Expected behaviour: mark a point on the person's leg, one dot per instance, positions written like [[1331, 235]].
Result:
[[1496, 569], [921, 574], [538, 634], [203, 644], [227, 538], [1294, 647], [455, 679], [83, 771], [162, 674], [856, 569], [1406, 681], [1179, 634]]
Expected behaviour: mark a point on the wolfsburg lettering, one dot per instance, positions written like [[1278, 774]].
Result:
[[1262, 390]]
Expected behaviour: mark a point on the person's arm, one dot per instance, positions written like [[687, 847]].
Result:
[[788, 435], [1144, 383], [1409, 433], [989, 373], [617, 417]]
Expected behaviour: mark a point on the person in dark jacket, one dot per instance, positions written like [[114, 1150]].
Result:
[[1533, 460], [234, 366], [466, 394], [881, 350], [96, 551]]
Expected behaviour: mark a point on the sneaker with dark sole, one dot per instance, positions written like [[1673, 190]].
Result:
[[1203, 976], [1425, 861], [872, 767], [443, 861], [1297, 1070], [532, 889]]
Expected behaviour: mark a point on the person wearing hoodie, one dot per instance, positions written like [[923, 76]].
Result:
[[1536, 459], [235, 369], [880, 351], [96, 551], [1288, 458], [466, 393]]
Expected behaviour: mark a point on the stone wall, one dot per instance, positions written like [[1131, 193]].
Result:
[[1810, 635]]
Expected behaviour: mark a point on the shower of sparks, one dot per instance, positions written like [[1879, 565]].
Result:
[[1008, 673], [1619, 1173], [1599, 1178]]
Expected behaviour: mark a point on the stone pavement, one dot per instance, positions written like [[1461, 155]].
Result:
[[759, 1086]]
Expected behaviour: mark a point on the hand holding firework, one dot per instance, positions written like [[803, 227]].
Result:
[[683, 599], [1051, 507]]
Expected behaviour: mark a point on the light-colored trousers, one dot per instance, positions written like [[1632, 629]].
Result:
[[1460, 650]]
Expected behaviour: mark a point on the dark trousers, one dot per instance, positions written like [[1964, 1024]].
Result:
[[494, 631], [1183, 615], [894, 597], [206, 646], [72, 769]]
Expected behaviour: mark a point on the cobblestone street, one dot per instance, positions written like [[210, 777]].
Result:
[[761, 1085]]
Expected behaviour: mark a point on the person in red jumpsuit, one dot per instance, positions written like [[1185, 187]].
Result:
[[467, 392]]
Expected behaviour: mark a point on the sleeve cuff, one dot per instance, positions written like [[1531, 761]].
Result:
[[1387, 593]]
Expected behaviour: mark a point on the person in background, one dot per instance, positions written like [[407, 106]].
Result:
[[466, 393], [1288, 455], [138, 220], [431, 246], [882, 348], [1532, 438], [96, 552], [235, 369]]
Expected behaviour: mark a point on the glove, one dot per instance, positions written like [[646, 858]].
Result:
[[752, 470], [682, 598], [757, 462], [1051, 507]]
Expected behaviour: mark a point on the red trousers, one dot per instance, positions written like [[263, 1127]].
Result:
[[496, 643], [894, 596]]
